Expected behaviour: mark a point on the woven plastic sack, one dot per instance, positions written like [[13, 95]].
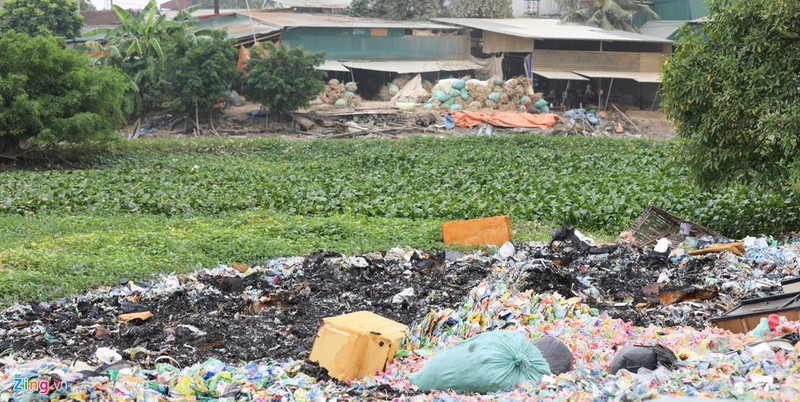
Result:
[[488, 362], [494, 96], [443, 97], [458, 84]]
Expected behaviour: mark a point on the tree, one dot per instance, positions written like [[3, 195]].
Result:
[[86, 5], [135, 46], [285, 79], [397, 9], [42, 17], [481, 9], [606, 14], [198, 73], [733, 95], [49, 94]]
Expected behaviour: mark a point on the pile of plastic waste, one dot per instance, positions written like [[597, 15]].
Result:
[[711, 362]]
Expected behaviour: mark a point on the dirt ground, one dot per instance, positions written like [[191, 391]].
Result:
[[380, 118]]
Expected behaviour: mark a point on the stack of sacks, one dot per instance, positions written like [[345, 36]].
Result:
[[515, 94]]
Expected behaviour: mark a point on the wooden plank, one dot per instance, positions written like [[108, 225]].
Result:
[[498, 43]]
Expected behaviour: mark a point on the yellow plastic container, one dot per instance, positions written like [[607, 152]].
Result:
[[356, 345]]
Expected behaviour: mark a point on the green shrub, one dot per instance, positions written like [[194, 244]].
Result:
[[41, 17], [732, 90], [49, 94], [197, 72], [285, 79]]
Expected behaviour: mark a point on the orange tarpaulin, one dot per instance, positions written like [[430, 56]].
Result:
[[504, 119]]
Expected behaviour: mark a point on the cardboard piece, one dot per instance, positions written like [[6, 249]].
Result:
[[791, 285], [126, 318], [477, 232], [356, 344], [736, 248]]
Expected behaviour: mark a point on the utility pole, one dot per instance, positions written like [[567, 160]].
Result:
[[216, 7]]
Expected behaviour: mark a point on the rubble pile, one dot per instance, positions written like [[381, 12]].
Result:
[[242, 332], [515, 94]]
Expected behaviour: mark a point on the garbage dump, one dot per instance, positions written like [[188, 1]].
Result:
[[244, 332]]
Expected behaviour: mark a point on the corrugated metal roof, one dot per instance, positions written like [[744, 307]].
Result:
[[292, 20], [336, 4], [540, 28], [661, 28], [560, 75], [332, 65], [245, 29], [416, 66], [632, 75]]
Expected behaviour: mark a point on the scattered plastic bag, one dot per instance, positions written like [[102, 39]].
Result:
[[449, 123]]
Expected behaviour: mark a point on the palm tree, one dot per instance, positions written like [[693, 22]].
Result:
[[606, 14]]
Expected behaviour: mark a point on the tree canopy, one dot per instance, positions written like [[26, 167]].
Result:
[[606, 14], [135, 46], [397, 9], [284, 79], [41, 17], [50, 94], [197, 73], [732, 90], [481, 8]]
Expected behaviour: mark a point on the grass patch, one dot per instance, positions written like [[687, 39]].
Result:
[[50, 256]]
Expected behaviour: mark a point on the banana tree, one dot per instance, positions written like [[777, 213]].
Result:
[[606, 14], [136, 47]]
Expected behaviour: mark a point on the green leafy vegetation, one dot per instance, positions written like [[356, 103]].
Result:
[[283, 79], [136, 46], [606, 14], [732, 91], [595, 184], [198, 71], [49, 94], [41, 17], [398, 9]]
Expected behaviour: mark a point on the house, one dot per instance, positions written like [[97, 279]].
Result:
[[617, 66], [369, 51], [98, 19]]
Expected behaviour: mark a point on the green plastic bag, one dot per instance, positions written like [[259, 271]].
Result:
[[488, 362]]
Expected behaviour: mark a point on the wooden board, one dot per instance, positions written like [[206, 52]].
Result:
[[477, 232]]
